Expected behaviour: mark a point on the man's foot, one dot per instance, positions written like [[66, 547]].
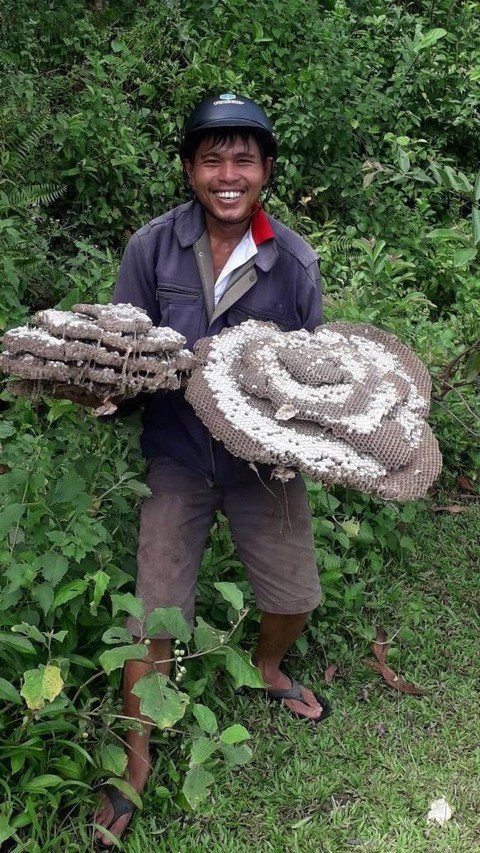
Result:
[[109, 813], [307, 705]]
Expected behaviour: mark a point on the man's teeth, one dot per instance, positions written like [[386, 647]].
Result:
[[228, 194]]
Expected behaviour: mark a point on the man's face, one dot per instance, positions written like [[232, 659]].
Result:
[[228, 178]]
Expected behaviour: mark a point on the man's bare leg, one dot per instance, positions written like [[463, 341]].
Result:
[[278, 632], [138, 767]]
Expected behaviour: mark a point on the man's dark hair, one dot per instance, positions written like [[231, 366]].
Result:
[[224, 137]]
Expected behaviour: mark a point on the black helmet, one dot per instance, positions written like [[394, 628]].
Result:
[[228, 111]]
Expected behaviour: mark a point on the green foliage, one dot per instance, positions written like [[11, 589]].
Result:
[[375, 106]]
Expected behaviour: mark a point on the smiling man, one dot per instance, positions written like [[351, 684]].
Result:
[[206, 265]]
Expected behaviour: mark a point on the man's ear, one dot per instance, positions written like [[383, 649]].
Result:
[[267, 169], [188, 166]]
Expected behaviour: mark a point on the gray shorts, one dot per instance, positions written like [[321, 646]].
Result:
[[270, 523]]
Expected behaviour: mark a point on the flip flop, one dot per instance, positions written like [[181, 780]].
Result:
[[121, 806], [295, 692]]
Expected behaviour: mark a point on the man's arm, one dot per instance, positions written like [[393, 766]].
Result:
[[136, 280]]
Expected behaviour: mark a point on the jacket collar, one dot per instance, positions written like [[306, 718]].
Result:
[[191, 225]]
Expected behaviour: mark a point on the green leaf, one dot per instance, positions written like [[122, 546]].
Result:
[[169, 619], [431, 38], [112, 758], [476, 225], [42, 684], [476, 188], [9, 693], [18, 644], [126, 789], [68, 488], [164, 705], [6, 831], [351, 528], [137, 487], [43, 593], [403, 161], [207, 637], [242, 669], [9, 517], [6, 429], [68, 591], [101, 583], [30, 631], [236, 756], [462, 257], [127, 602], [196, 784], [202, 748], [205, 718], [231, 593], [115, 658], [38, 785], [116, 634], [53, 566], [235, 734]]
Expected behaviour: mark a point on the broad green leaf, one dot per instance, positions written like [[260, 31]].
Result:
[[9, 517], [205, 718], [234, 734], [68, 591], [431, 38], [53, 566], [18, 644], [9, 693], [242, 669], [126, 789], [38, 785], [137, 487], [196, 784], [207, 637], [116, 634], [6, 429], [30, 631], [462, 257], [127, 602], [115, 658], [40, 684], [163, 704], [351, 528], [236, 755], [113, 758], [68, 488], [169, 619], [202, 748], [44, 594], [231, 593]]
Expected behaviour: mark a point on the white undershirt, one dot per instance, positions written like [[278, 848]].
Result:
[[242, 253]]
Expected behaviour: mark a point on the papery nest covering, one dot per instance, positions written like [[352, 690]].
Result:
[[345, 404], [106, 350]]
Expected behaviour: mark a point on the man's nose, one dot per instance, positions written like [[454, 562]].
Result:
[[227, 171]]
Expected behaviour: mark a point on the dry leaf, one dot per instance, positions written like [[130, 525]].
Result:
[[380, 646], [330, 672], [439, 811], [453, 508], [392, 679], [466, 485]]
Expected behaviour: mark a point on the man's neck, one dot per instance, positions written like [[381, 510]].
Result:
[[226, 232]]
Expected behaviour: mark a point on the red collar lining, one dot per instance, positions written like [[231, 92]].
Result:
[[261, 228]]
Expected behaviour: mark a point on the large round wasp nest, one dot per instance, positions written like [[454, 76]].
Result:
[[105, 350], [345, 404]]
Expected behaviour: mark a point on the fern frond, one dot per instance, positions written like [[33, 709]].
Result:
[[34, 194]]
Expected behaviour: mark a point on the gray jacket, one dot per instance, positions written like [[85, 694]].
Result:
[[167, 270]]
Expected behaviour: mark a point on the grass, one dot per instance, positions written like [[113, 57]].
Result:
[[365, 780]]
